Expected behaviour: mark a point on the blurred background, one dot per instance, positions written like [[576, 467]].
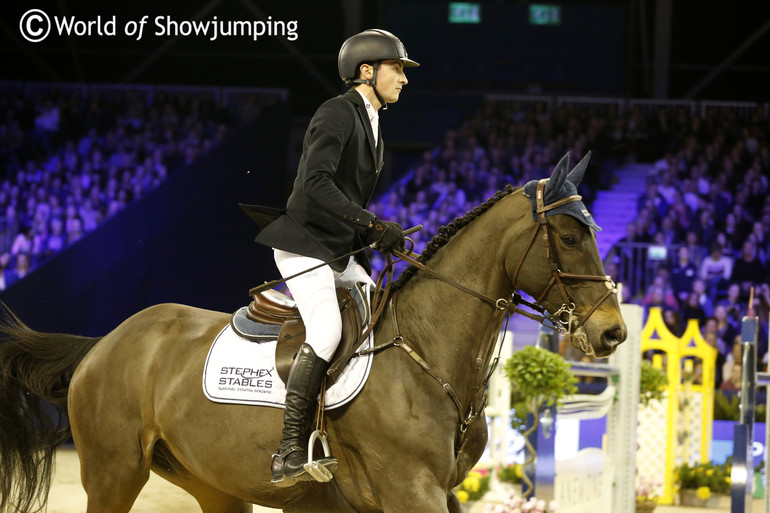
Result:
[[123, 157]]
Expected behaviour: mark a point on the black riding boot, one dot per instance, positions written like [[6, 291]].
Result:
[[302, 388]]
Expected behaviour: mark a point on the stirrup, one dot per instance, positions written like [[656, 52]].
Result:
[[317, 471]]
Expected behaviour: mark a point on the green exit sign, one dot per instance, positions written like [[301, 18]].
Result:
[[542, 14], [464, 12]]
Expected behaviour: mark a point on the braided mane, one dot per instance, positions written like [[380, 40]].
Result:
[[445, 234]]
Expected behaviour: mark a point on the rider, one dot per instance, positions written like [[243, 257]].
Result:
[[325, 218]]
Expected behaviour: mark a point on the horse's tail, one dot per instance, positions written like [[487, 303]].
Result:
[[35, 370]]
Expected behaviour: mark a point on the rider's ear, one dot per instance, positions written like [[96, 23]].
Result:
[[576, 175]]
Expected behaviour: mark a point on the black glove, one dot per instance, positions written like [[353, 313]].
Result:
[[388, 236]]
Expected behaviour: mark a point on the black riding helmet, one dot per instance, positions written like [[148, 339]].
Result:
[[370, 46]]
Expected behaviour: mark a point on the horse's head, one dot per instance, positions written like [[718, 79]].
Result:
[[561, 267]]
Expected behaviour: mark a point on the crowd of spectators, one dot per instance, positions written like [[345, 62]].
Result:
[[707, 198], [68, 161], [502, 142], [71, 159]]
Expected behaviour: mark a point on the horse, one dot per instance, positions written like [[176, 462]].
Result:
[[134, 403]]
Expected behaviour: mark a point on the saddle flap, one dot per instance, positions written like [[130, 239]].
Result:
[[292, 336]]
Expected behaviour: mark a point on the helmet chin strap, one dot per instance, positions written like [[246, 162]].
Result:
[[373, 84]]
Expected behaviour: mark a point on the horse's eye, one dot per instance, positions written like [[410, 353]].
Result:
[[569, 240]]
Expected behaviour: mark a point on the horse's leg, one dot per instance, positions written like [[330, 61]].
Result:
[[433, 501], [210, 499], [113, 467], [425, 495], [111, 481], [111, 439]]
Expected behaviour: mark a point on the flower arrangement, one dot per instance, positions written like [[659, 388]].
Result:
[[474, 486], [517, 504], [510, 473], [705, 478], [646, 490], [646, 494]]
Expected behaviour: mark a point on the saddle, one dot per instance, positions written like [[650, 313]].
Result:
[[274, 316]]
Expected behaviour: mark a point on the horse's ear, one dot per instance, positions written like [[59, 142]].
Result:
[[558, 176], [576, 175]]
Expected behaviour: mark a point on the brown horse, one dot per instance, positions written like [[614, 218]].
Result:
[[135, 403]]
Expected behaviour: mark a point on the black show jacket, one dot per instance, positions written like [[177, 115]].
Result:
[[325, 215]]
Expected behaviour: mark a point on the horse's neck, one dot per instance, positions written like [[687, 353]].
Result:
[[449, 326]]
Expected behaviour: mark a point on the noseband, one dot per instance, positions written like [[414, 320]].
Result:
[[563, 318]]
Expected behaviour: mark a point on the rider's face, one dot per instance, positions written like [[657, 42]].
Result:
[[390, 80]]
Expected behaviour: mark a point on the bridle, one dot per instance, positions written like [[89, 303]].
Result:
[[562, 319]]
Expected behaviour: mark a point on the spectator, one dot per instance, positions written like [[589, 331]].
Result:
[[731, 369], [748, 269], [5, 259], [57, 240], [693, 310], [651, 198], [761, 238], [23, 242], [734, 304], [725, 327], [704, 299], [716, 269], [658, 296], [19, 270], [683, 274]]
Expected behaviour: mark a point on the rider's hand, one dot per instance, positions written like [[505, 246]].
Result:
[[387, 235]]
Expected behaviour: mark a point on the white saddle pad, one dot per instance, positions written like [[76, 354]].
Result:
[[239, 371]]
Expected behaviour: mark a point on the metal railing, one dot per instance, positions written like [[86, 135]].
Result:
[[228, 97], [638, 263], [743, 109]]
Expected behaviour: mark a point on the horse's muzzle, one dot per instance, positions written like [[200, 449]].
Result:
[[611, 339]]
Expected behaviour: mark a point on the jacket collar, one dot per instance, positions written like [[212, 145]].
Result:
[[377, 151]]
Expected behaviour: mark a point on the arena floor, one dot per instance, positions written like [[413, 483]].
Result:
[[160, 496]]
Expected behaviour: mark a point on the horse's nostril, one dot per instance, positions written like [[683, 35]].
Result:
[[613, 337]]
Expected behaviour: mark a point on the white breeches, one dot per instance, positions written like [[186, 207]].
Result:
[[316, 297]]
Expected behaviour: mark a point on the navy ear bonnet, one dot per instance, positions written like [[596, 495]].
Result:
[[562, 184]]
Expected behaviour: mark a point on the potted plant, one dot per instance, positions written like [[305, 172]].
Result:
[[703, 484], [646, 495], [538, 378], [653, 383]]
